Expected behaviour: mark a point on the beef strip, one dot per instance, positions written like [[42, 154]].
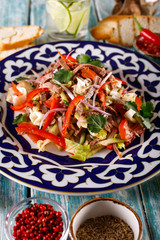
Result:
[[54, 66], [63, 64], [97, 80], [53, 87], [43, 97], [100, 71]]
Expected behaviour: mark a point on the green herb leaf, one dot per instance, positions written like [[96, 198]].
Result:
[[97, 62], [20, 118], [145, 121], [66, 102], [83, 58], [63, 75], [20, 78], [147, 109], [96, 122]]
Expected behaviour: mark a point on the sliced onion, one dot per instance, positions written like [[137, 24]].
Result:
[[95, 95], [118, 99], [65, 89], [105, 79], [70, 53], [59, 120], [36, 74], [96, 109], [50, 111], [30, 80], [46, 77], [94, 99], [89, 93]]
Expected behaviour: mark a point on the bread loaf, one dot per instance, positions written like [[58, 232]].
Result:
[[6, 53], [122, 29], [15, 37]]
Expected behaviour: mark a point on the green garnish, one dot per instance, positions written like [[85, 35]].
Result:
[[97, 62], [66, 102], [85, 58], [147, 109], [144, 114], [96, 122], [20, 118], [63, 75], [20, 78]]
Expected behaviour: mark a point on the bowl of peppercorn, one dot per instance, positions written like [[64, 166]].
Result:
[[37, 218], [105, 218]]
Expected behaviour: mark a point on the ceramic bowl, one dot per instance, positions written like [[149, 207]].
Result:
[[105, 206], [22, 205]]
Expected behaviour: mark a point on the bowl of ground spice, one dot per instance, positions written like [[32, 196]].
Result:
[[105, 219], [37, 218]]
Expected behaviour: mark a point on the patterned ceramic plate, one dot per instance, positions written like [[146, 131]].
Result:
[[54, 171]]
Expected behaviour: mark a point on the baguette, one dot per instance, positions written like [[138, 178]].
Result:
[[122, 29], [6, 53], [16, 37]]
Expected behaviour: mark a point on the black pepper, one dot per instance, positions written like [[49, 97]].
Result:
[[104, 228]]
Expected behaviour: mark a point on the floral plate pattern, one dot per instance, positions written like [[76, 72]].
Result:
[[53, 171]]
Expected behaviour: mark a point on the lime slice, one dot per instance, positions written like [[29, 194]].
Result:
[[60, 14], [79, 20]]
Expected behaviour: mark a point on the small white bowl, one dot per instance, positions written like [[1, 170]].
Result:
[[105, 206]]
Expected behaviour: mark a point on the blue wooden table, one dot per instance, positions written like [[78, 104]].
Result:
[[143, 198]]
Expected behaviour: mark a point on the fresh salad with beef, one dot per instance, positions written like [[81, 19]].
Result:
[[80, 107]]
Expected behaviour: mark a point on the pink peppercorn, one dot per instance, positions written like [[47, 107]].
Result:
[[38, 222]]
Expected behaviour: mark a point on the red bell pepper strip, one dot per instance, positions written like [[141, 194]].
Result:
[[20, 107], [138, 103], [147, 34], [102, 97], [33, 93], [125, 131], [110, 147], [119, 108], [48, 120], [122, 129], [103, 85], [68, 114], [51, 103], [30, 96], [16, 91], [101, 93], [29, 128], [123, 82], [88, 73], [68, 59], [35, 138]]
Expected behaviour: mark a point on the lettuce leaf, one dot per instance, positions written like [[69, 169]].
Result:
[[79, 151], [144, 114]]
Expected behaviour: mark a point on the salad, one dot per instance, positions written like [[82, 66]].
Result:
[[80, 107]]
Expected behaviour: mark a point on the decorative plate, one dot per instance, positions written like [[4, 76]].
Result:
[[104, 172]]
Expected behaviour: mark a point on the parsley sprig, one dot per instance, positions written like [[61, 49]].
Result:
[[20, 118], [85, 58], [96, 122], [63, 75], [145, 113]]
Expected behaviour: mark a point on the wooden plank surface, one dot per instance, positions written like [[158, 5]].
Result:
[[14, 13], [10, 194], [130, 196], [150, 195]]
